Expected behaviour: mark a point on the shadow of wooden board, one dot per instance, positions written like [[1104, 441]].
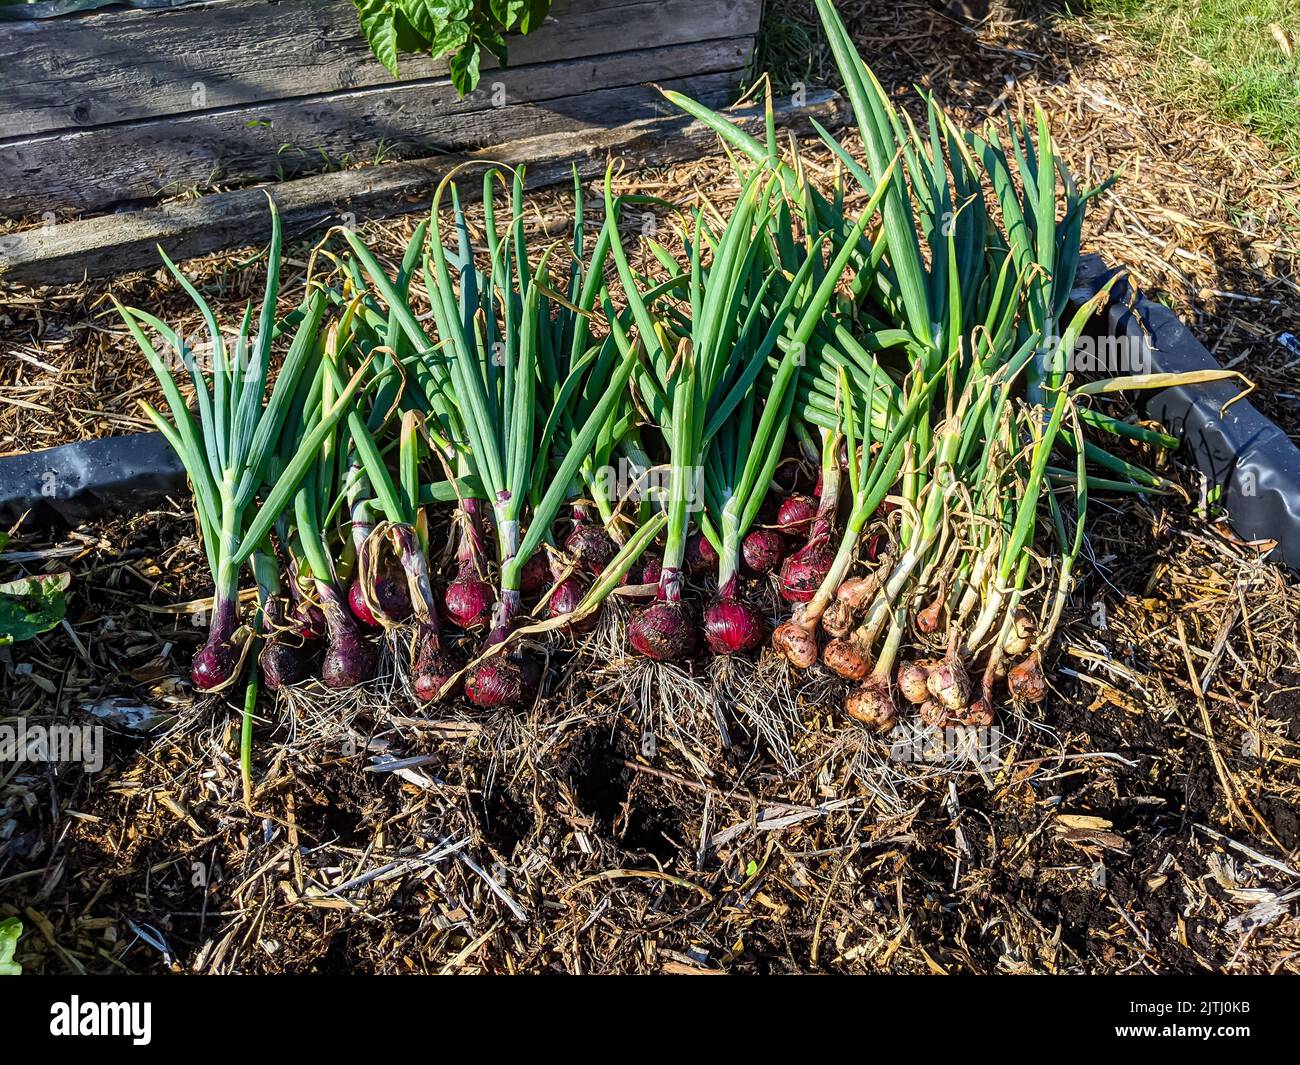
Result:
[[110, 245], [124, 106]]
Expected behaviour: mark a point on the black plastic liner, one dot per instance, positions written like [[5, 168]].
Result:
[[1253, 461], [88, 480], [1242, 452]]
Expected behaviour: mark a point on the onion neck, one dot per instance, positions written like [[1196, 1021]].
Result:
[[470, 550], [503, 616], [416, 567], [225, 618], [729, 556], [670, 583]]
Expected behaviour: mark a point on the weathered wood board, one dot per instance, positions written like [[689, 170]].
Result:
[[116, 243], [117, 66], [123, 106], [292, 137]]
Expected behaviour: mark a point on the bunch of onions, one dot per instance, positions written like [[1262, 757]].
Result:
[[349, 658], [806, 569], [700, 385], [925, 355], [494, 327], [227, 451]]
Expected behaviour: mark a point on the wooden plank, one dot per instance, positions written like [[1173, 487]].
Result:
[[115, 244], [97, 168], [118, 66]]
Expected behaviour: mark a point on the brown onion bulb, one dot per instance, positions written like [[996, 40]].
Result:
[[1025, 680], [949, 683], [932, 714], [927, 619], [837, 620], [872, 705], [855, 591], [797, 644], [847, 658], [979, 714]]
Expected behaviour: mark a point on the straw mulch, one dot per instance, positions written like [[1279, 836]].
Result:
[[1142, 819]]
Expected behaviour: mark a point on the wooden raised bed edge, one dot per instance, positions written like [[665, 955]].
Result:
[[121, 107]]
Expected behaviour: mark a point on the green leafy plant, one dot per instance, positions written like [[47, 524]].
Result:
[[10, 929], [463, 29], [30, 606]]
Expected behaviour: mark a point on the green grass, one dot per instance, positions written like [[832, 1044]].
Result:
[[1219, 56]]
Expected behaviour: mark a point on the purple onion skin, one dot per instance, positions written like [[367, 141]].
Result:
[[394, 600], [284, 664], [434, 665], [217, 660], [796, 515], [309, 622], [287, 657], [360, 609], [350, 659], [503, 681], [566, 597], [467, 601], [663, 631], [394, 596], [647, 572], [591, 547], [700, 556], [733, 627], [568, 594], [762, 550], [805, 570], [214, 664], [535, 575]]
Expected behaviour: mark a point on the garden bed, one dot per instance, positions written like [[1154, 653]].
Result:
[[1142, 819], [588, 814]]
